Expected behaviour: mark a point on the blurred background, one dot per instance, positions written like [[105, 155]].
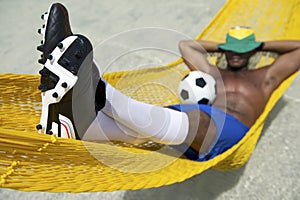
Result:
[[273, 170]]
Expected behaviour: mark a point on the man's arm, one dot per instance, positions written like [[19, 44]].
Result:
[[193, 53], [281, 46], [285, 65]]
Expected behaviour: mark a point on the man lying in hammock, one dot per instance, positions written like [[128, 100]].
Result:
[[76, 103]]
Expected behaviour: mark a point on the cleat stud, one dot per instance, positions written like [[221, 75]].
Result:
[[42, 61], [40, 48], [49, 133], [39, 127], [44, 26], [50, 57], [42, 16], [39, 31], [42, 42], [64, 85], [55, 95], [60, 45]]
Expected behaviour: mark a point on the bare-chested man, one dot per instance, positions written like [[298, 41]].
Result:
[[246, 91], [78, 104]]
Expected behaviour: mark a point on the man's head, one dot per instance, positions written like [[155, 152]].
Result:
[[239, 47]]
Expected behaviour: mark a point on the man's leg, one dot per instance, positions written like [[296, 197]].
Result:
[[104, 128], [71, 91], [140, 120]]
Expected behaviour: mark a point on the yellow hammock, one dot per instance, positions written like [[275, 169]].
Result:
[[33, 162]]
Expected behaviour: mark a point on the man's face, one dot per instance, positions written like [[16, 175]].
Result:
[[238, 60]]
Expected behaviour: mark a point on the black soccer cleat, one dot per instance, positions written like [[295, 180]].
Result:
[[72, 91], [69, 103]]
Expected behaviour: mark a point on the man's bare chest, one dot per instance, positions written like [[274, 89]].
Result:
[[244, 83]]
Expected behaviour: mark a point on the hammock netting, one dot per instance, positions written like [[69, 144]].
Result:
[[35, 162]]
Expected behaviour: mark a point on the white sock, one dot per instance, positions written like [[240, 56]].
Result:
[[104, 128], [151, 122]]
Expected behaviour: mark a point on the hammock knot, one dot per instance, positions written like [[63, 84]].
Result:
[[53, 139]]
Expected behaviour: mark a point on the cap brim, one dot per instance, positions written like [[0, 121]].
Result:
[[240, 48]]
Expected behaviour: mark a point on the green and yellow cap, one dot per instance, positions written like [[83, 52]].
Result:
[[240, 39]]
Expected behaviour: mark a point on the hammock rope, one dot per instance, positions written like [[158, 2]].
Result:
[[34, 162]]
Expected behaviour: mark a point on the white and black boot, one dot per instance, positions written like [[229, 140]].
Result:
[[72, 91]]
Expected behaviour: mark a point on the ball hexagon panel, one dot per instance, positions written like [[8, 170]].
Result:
[[184, 94], [203, 101], [200, 82]]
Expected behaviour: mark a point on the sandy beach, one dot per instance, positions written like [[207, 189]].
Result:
[[273, 169]]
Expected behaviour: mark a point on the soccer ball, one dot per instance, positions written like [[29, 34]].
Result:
[[197, 88]]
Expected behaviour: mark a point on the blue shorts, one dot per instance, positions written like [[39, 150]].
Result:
[[229, 131]]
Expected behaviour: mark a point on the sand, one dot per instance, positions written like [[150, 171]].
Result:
[[273, 169]]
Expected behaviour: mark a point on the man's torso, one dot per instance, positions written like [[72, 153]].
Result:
[[242, 94]]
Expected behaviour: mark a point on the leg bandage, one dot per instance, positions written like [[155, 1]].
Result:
[[145, 121]]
